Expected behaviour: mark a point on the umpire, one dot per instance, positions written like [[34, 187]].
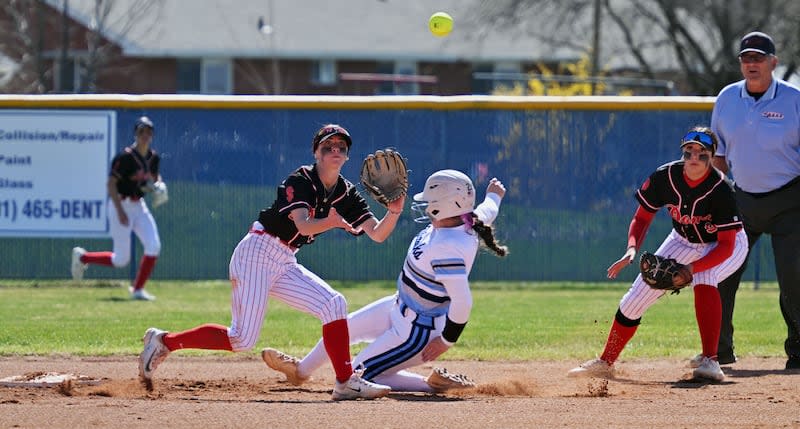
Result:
[[757, 121]]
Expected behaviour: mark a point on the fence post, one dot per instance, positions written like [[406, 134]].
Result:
[[756, 264], [133, 258]]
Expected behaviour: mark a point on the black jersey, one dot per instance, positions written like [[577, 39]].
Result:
[[303, 188], [133, 171], [697, 213]]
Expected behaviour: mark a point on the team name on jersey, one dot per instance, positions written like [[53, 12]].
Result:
[[675, 213], [416, 249]]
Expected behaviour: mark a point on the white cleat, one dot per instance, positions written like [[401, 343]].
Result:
[[284, 363], [155, 351], [696, 361], [78, 267], [358, 388], [140, 294], [593, 368], [441, 381], [709, 369]]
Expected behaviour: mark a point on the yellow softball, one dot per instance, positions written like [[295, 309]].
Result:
[[440, 24]]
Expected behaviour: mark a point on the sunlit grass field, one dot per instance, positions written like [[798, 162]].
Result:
[[510, 320]]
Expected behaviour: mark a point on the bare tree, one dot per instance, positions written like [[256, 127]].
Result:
[[21, 42], [91, 37], [698, 40], [111, 21]]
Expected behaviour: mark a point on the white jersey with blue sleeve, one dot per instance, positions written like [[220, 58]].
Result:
[[435, 256]]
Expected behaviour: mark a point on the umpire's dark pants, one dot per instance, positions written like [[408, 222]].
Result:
[[776, 213]]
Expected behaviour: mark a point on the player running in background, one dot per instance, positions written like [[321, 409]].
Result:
[[312, 200], [134, 172], [707, 236], [433, 301]]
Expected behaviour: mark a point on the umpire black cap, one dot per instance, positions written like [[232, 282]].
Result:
[[757, 42], [143, 121]]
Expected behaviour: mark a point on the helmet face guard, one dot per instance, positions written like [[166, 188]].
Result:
[[447, 193]]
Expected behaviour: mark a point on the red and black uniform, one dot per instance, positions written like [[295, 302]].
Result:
[[707, 233], [134, 172], [303, 188], [698, 212]]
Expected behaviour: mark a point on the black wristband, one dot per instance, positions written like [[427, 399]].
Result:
[[452, 330]]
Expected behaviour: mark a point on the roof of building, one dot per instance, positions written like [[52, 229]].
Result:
[[390, 30]]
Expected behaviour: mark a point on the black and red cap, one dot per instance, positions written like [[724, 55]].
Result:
[[328, 131], [143, 122]]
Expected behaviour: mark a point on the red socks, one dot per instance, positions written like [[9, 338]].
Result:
[[617, 339], [708, 311], [336, 337], [145, 268], [97, 258], [207, 337]]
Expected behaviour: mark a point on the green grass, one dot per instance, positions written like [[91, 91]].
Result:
[[510, 321]]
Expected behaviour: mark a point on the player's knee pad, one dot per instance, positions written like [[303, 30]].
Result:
[[333, 309]]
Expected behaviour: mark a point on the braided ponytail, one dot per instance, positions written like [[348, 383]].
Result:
[[486, 234]]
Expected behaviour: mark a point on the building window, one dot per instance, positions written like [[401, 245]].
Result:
[[482, 78], [406, 68], [72, 80], [188, 76], [393, 82], [324, 72], [487, 77], [508, 75], [216, 77], [204, 76]]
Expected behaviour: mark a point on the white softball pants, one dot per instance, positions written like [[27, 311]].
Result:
[[641, 296], [141, 222], [262, 267]]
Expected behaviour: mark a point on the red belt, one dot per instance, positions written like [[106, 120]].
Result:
[[128, 197], [284, 242]]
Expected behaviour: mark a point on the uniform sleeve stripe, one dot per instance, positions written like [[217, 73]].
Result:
[[361, 219], [644, 202], [296, 205]]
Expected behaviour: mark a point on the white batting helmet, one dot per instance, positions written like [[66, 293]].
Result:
[[447, 193]]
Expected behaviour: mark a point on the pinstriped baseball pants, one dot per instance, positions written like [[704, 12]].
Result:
[[262, 267], [641, 296]]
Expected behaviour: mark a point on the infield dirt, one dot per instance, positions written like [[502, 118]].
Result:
[[240, 391]]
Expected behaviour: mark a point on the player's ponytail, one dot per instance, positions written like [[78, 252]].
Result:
[[486, 234]]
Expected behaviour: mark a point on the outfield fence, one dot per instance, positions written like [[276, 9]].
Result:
[[571, 166]]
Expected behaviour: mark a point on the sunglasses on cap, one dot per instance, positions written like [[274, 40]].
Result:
[[703, 139]]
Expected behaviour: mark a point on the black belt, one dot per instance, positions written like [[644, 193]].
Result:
[[788, 185]]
